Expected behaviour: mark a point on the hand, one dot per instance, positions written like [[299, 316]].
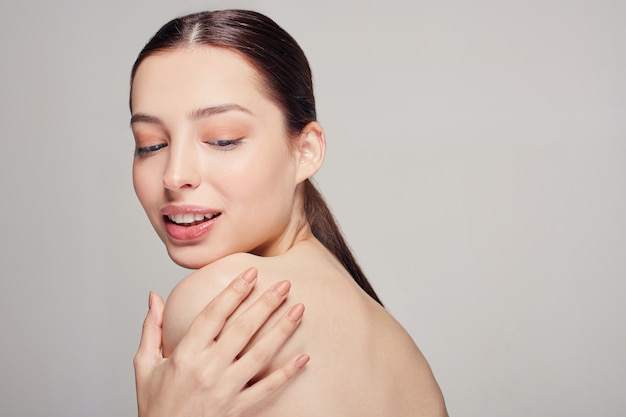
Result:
[[205, 374]]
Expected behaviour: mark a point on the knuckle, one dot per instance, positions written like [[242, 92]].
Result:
[[142, 363], [180, 361], [138, 361], [270, 299], [217, 384], [214, 312], [197, 372], [243, 327], [278, 381], [205, 382], [220, 396], [260, 355], [285, 326], [287, 372], [239, 287], [214, 308]]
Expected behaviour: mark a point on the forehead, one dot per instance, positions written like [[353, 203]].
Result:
[[188, 78]]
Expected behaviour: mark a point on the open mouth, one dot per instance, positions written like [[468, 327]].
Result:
[[190, 219]]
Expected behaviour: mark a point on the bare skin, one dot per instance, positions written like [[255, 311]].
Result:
[[221, 181], [207, 374], [363, 363]]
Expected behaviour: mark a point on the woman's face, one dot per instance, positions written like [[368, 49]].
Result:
[[213, 169]]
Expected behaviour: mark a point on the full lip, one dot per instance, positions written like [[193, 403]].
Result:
[[191, 228]]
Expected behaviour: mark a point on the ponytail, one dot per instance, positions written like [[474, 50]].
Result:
[[325, 229]]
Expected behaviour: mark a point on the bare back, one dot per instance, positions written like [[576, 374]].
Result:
[[363, 363]]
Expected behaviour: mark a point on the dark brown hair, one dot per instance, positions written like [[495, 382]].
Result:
[[286, 75]]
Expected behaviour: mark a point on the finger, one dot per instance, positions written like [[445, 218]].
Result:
[[259, 355], [150, 342], [267, 386], [209, 323], [238, 336]]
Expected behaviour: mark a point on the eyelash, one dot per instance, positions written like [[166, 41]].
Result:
[[148, 150], [225, 145]]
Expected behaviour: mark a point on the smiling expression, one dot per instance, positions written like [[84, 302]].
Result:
[[213, 169]]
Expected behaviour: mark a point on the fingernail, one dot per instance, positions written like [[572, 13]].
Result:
[[282, 288], [302, 360], [296, 312], [150, 300], [249, 275]]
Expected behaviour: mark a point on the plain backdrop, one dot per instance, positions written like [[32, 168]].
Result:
[[476, 162]]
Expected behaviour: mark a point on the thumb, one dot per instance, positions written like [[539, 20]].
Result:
[[150, 343]]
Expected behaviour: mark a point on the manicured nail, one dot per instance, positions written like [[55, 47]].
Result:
[[282, 288], [296, 312], [249, 275], [302, 360]]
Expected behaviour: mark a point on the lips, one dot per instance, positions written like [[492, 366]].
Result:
[[188, 222], [190, 219]]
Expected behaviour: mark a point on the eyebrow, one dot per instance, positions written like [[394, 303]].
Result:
[[222, 108], [194, 115]]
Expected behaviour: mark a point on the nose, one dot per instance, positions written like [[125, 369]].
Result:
[[182, 168]]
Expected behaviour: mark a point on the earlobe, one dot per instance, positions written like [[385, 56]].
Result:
[[310, 151]]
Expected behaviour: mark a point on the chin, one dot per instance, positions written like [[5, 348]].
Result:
[[186, 264], [194, 257], [188, 258]]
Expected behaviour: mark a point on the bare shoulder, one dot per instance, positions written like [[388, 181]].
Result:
[[362, 361], [195, 291]]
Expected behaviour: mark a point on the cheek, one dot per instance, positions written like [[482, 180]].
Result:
[[273, 173], [144, 185], [258, 175], [273, 185]]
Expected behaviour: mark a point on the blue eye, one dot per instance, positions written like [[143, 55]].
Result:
[[148, 150]]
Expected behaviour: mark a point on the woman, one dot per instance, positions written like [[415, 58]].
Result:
[[224, 120]]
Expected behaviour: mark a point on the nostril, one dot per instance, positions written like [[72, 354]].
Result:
[[179, 181]]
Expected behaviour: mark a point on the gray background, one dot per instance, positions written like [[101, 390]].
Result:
[[476, 161]]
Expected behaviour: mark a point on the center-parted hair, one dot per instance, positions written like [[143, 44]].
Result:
[[286, 79]]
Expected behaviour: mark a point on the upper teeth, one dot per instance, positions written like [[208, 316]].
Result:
[[189, 217]]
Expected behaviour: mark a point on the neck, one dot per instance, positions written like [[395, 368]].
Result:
[[297, 230]]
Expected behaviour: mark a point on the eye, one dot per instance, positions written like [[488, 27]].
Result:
[[225, 144], [149, 150]]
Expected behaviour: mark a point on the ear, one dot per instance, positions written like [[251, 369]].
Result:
[[310, 150]]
